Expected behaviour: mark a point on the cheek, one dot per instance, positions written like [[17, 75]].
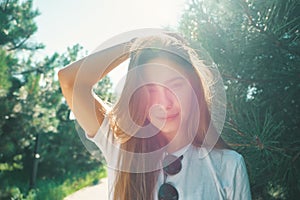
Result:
[[152, 107], [185, 102], [154, 111], [138, 106]]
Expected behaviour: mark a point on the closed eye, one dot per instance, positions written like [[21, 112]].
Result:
[[151, 88], [178, 83]]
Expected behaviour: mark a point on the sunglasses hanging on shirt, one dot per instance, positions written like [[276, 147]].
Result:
[[167, 191]]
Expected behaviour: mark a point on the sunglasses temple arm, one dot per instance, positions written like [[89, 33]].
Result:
[[165, 176]]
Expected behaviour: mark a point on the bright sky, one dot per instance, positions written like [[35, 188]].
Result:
[[63, 23]]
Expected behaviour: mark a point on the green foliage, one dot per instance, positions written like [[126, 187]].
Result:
[[255, 45], [17, 25], [56, 188], [35, 128], [4, 73], [36, 107], [103, 90]]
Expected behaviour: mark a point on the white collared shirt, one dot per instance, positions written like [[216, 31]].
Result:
[[215, 175]]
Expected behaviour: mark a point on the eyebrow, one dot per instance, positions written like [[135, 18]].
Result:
[[170, 81], [175, 79]]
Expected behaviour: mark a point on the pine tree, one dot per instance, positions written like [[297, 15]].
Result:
[[255, 45], [33, 109]]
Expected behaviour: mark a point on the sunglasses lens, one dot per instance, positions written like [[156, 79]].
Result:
[[167, 192], [172, 164]]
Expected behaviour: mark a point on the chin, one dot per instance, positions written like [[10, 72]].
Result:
[[168, 128], [169, 131]]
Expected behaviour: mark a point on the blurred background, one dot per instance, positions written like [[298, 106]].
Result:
[[254, 43]]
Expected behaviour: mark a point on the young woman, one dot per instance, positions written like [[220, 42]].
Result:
[[160, 140]]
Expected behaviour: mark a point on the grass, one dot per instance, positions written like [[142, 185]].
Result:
[[58, 189]]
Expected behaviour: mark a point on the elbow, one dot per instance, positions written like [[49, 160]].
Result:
[[60, 75], [64, 79]]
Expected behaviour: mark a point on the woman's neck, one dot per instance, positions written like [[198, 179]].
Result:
[[176, 141]]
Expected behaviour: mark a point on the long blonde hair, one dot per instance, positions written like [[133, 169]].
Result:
[[128, 185]]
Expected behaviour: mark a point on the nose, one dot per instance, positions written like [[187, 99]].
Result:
[[165, 98]]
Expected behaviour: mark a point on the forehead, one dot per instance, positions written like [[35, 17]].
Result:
[[161, 71]]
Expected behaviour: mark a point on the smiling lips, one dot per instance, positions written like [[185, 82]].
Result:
[[169, 117]]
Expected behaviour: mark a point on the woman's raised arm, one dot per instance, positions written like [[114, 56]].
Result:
[[77, 81]]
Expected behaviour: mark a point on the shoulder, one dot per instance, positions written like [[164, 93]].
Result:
[[231, 159], [222, 159], [231, 172], [231, 155], [235, 176], [226, 155], [232, 164], [228, 160]]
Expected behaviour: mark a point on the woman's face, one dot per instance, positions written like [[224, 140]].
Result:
[[170, 95]]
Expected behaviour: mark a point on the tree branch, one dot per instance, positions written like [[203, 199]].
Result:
[[5, 6], [38, 70], [272, 37], [250, 81], [16, 46]]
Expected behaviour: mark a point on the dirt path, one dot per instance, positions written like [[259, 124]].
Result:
[[96, 192]]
